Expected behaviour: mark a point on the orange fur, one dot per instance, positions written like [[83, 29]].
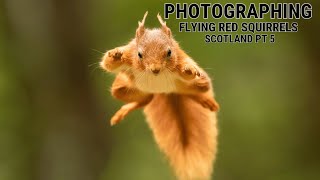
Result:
[[185, 132], [155, 73]]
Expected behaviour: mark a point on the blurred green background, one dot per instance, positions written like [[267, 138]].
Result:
[[55, 103]]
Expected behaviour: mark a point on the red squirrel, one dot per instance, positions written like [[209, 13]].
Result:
[[155, 73]]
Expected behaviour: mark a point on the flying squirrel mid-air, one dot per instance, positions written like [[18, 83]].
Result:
[[177, 95]]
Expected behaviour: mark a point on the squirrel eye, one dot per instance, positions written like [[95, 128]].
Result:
[[169, 53], [140, 55]]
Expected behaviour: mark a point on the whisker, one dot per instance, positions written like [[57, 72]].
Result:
[[95, 67], [138, 78], [95, 63], [129, 90], [144, 74], [171, 79], [148, 84], [165, 75], [127, 70], [96, 50]]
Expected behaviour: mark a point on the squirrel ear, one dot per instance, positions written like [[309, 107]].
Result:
[[140, 29], [164, 27]]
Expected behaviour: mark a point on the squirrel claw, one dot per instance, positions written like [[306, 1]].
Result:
[[190, 72], [116, 54]]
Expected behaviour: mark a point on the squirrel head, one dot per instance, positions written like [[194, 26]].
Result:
[[156, 50]]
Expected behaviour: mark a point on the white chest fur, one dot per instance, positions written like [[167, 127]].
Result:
[[164, 82]]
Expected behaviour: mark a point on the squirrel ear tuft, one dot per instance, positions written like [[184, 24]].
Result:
[[164, 27], [140, 29]]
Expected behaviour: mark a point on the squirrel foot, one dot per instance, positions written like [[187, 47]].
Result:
[[123, 111], [209, 103], [119, 116]]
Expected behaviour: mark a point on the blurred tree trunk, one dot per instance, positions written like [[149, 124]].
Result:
[[310, 119], [65, 127]]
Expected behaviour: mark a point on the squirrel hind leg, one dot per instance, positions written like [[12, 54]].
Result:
[[123, 89]]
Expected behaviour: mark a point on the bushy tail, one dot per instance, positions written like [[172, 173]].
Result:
[[186, 132]]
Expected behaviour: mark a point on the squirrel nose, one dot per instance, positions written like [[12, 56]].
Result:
[[155, 71]]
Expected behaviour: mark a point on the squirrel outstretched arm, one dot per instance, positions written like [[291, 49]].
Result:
[[153, 72]]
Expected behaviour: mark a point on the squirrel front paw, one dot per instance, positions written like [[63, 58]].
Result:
[[115, 54], [190, 72], [202, 84], [112, 59]]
